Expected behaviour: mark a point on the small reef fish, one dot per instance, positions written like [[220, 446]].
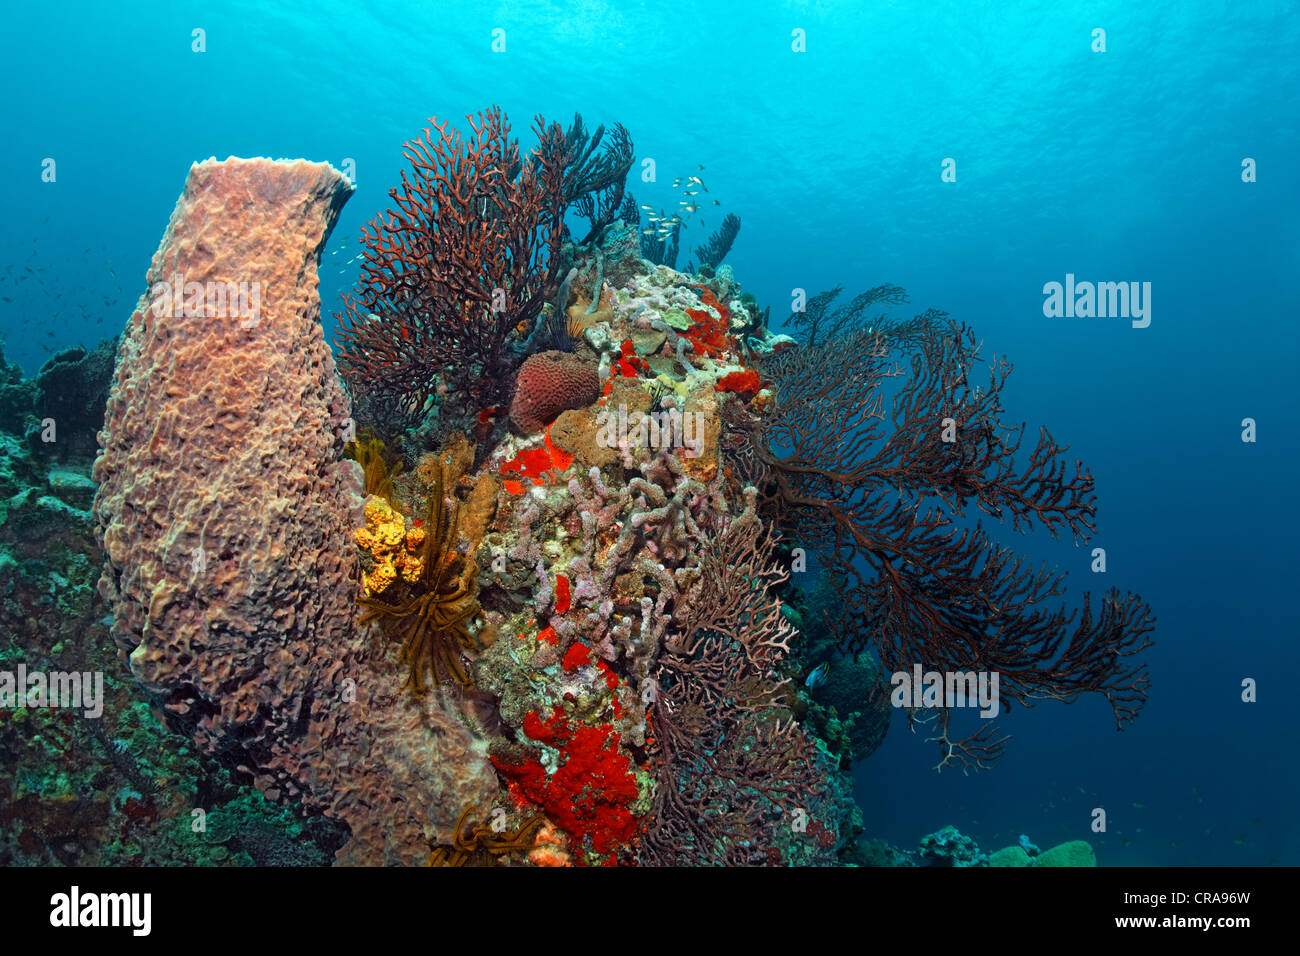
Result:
[[818, 675]]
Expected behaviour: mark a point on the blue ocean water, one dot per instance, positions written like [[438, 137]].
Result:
[[1122, 165]]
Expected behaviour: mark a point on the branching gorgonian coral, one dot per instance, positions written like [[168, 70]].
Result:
[[732, 760], [880, 442], [458, 272]]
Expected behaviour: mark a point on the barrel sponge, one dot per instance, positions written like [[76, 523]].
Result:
[[226, 509], [549, 383]]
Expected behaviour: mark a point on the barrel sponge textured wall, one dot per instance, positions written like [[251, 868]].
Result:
[[226, 509]]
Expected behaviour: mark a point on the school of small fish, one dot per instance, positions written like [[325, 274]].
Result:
[[663, 226], [35, 293]]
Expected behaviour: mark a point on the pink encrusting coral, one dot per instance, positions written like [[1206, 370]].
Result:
[[226, 510]]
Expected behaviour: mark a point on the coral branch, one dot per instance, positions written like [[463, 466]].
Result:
[[731, 763], [460, 269], [594, 181], [715, 250], [878, 486]]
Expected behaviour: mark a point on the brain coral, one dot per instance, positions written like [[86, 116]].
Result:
[[549, 383], [226, 511]]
